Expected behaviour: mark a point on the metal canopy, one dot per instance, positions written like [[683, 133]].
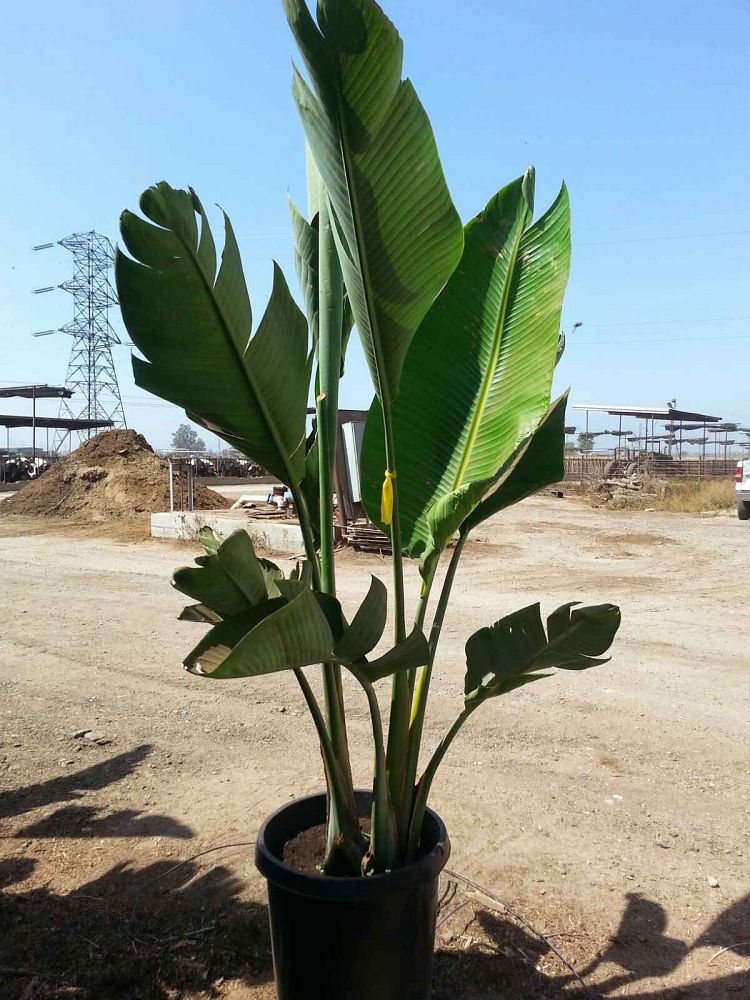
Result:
[[648, 412], [37, 392], [61, 423]]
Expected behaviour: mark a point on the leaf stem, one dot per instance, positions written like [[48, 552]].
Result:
[[342, 812], [383, 839], [398, 724], [349, 837], [419, 703], [303, 515], [425, 782], [330, 323]]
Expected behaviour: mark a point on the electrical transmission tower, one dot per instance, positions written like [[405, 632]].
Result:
[[91, 371]]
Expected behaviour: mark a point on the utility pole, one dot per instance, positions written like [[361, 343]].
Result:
[[91, 370]]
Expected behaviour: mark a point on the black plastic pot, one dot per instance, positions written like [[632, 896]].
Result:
[[350, 938]]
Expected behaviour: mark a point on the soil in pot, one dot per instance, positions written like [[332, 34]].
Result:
[[306, 850]]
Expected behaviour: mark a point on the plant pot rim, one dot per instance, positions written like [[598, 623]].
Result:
[[310, 810]]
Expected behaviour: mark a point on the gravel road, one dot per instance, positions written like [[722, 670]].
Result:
[[611, 807]]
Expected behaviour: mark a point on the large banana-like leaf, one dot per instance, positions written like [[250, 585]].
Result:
[[476, 382], [538, 462], [368, 624], [397, 232], [264, 623], [277, 635], [410, 653], [228, 579], [512, 651], [193, 325]]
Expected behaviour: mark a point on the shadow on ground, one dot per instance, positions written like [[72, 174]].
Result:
[[73, 820], [133, 934], [643, 950], [168, 931], [161, 932], [503, 960]]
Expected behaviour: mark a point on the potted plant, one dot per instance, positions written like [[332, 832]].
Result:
[[460, 327]]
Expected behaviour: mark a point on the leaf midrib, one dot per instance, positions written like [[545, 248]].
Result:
[[478, 417], [383, 389]]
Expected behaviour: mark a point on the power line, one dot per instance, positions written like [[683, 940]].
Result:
[[673, 322], [660, 239], [661, 340], [265, 236]]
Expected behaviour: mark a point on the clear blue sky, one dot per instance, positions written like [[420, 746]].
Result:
[[642, 108]]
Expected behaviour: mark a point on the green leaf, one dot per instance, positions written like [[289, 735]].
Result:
[[217, 644], [209, 584], [575, 636], [289, 589], [312, 184], [271, 574], [367, 627], [510, 652], [305, 236], [193, 325], [333, 613], [271, 637], [397, 233], [238, 560], [538, 462], [477, 379], [410, 653], [228, 580], [306, 263]]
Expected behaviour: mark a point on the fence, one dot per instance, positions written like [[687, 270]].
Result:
[[658, 466]]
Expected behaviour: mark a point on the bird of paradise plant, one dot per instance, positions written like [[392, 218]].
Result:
[[460, 328]]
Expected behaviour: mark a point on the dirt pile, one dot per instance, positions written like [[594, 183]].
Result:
[[113, 475]]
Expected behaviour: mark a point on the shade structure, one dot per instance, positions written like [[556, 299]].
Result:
[[648, 412], [36, 392], [60, 423]]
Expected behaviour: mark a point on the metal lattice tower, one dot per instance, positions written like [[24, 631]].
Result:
[[91, 371]]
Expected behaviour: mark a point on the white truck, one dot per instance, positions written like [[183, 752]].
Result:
[[742, 489]]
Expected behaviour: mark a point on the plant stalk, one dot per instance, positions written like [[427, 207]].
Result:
[[412, 757], [342, 811], [349, 838], [419, 704], [311, 553], [425, 783], [398, 724], [330, 324], [383, 837]]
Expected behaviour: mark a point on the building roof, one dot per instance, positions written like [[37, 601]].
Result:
[[61, 423], [648, 412], [37, 391]]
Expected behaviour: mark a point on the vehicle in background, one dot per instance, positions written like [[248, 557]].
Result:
[[742, 489]]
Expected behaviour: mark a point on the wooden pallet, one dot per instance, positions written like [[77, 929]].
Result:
[[367, 538]]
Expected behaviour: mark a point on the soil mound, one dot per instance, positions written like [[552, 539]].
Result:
[[115, 474]]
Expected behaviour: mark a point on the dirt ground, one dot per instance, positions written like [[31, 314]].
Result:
[[609, 808]]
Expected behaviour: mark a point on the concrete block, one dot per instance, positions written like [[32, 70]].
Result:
[[274, 535]]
